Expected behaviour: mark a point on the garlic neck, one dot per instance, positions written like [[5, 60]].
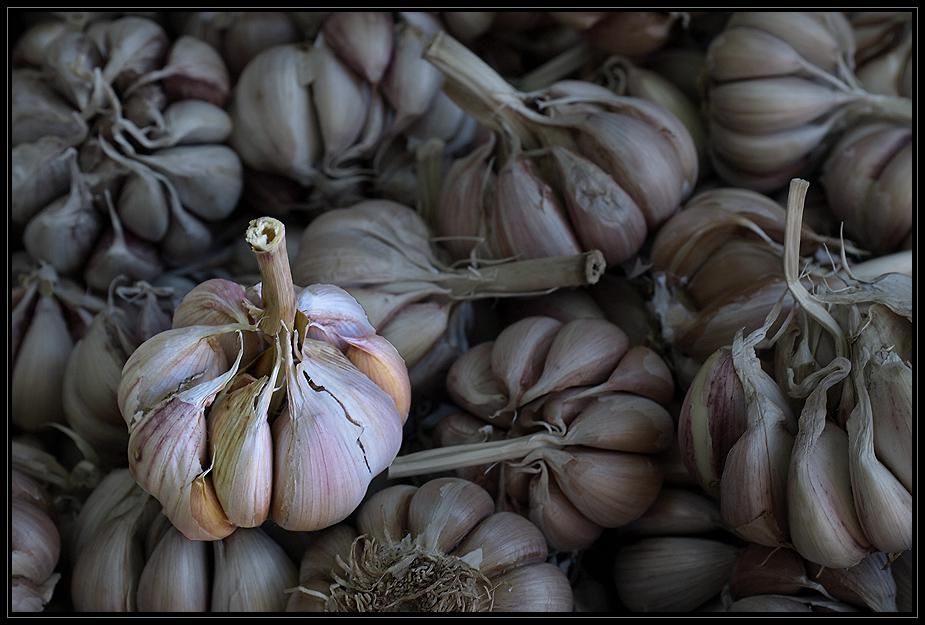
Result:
[[267, 238]]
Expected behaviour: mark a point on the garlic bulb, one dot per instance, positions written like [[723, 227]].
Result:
[[34, 544], [346, 108], [128, 558], [669, 574], [120, 120], [582, 411], [381, 253], [281, 403], [868, 183], [94, 368], [779, 87], [49, 314], [437, 548], [609, 169]]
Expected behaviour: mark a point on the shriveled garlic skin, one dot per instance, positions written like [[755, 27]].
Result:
[[292, 430], [588, 415], [35, 545], [128, 558], [481, 560], [138, 121]]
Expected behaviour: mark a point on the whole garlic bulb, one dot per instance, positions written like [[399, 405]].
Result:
[[49, 314], [129, 558], [779, 87], [608, 169], [283, 403], [581, 410], [868, 183], [94, 368], [35, 544], [381, 252], [326, 113], [437, 548], [119, 120]]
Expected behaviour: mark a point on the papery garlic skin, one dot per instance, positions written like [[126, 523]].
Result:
[[35, 546], [476, 560]]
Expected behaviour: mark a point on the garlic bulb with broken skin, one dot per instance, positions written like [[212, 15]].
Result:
[[437, 548], [579, 411], [128, 558], [281, 403]]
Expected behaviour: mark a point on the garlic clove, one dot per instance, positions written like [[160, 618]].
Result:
[[643, 372], [333, 315], [38, 370], [565, 528], [272, 86], [763, 570], [473, 386], [242, 449], [26, 596], [519, 353], [191, 122], [622, 422], [411, 83], [755, 262], [632, 33], [588, 478], [747, 52], [37, 111], [34, 542], [320, 558], [532, 588], [143, 208], [32, 45], [384, 516], [195, 71], [363, 39], [679, 513], [415, 329], [340, 98], [107, 570], [583, 352], [70, 62], [672, 574], [869, 584], [218, 302], [246, 38], [528, 220], [378, 359], [602, 214], [39, 173], [116, 496], [890, 389], [175, 576], [445, 510], [815, 37], [502, 542], [135, 46], [462, 197], [251, 573], [300, 601], [208, 178]]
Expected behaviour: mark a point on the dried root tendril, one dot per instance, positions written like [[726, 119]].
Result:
[[406, 577]]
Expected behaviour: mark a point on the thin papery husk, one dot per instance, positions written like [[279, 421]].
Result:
[[869, 584]]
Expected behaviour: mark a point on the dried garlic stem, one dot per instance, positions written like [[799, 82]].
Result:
[[528, 276], [471, 455], [267, 238], [557, 68], [793, 229]]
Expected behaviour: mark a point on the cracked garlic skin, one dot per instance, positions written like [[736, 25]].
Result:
[[278, 403], [437, 548]]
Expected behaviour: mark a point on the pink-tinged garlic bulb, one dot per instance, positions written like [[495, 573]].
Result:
[[578, 411], [277, 403], [437, 548], [128, 558], [381, 252], [118, 157], [569, 168], [49, 314], [133, 314], [348, 109], [35, 543], [779, 88]]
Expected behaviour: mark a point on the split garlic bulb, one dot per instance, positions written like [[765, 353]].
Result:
[[578, 410], [281, 403], [128, 558], [437, 548], [117, 156]]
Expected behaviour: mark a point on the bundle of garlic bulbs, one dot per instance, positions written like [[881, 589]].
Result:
[[128, 558], [437, 548], [578, 411], [117, 124], [278, 403]]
